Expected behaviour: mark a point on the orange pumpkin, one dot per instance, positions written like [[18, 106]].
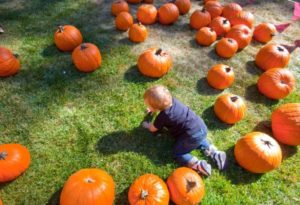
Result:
[[9, 62], [231, 10], [286, 124], [14, 160], [230, 108], [67, 37], [148, 189], [205, 1], [123, 21], [168, 14], [86, 57], [245, 18], [206, 36], [147, 14], [199, 19], [242, 34], [134, 1], [220, 25], [186, 186], [118, 6], [137, 33], [227, 47], [1, 202], [214, 8], [264, 32], [154, 63], [272, 56], [88, 186], [220, 76], [183, 6], [258, 152]]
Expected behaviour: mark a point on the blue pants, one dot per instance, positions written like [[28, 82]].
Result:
[[185, 144]]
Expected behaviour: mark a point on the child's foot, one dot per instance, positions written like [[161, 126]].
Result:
[[219, 157], [202, 167]]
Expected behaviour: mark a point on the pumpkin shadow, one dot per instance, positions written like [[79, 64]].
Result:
[[51, 51], [204, 88], [252, 68], [126, 41], [133, 75], [122, 198], [54, 199], [212, 121], [214, 56], [252, 94]]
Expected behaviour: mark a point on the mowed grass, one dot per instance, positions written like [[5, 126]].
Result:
[[71, 120]]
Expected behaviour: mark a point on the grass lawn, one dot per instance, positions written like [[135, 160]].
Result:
[[71, 120]]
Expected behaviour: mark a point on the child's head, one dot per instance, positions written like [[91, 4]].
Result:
[[158, 98]]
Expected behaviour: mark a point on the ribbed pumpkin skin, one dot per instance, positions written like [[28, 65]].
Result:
[[244, 17], [119, 6], [168, 14], [186, 186], [230, 108], [286, 124], [87, 57], [148, 189], [137, 33], [264, 32], [147, 14], [220, 25], [206, 36], [183, 6], [134, 1], [227, 47], [258, 152], [220, 76], [154, 63], [67, 38], [242, 34], [276, 83], [9, 63], [231, 10], [272, 56], [214, 8], [1, 202], [14, 160], [123, 21], [88, 187], [200, 19]]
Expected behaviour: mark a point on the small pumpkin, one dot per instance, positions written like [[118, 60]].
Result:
[[272, 56], [148, 189], [134, 1], [14, 160], [227, 47], [154, 63], [206, 36], [183, 6], [67, 37], [264, 32], [9, 62], [230, 108], [285, 121], [199, 19], [245, 18], [186, 186], [214, 8], [138, 33], [88, 186], [220, 76], [123, 21], [258, 152], [168, 14], [147, 14], [118, 6], [242, 34], [231, 10], [220, 25], [86, 57]]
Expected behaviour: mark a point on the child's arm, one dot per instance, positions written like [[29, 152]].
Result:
[[149, 126]]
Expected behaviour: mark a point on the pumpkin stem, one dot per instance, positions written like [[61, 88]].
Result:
[[190, 185], [144, 194], [89, 180], [280, 49], [3, 155], [203, 9], [230, 40], [228, 69], [234, 98], [83, 46], [158, 52], [16, 55], [139, 23], [225, 21], [273, 34], [211, 30], [60, 28], [266, 142]]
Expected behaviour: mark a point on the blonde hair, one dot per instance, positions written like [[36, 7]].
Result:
[[158, 97]]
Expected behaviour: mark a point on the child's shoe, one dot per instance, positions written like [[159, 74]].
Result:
[[219, 157], [202, 167]]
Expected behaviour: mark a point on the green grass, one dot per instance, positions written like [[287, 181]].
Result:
[[70, 120]]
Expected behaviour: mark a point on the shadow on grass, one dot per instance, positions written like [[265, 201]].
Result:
[[213, 55], [204, 88], [252, 94], [133, 75], [122, 198], [54, 199], [51, 51], [212, 121], [252, 68]]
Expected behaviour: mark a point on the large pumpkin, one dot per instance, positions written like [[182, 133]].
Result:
[[286, 124], [214, 8], [9, 63], [137, 33], [272, 56], [244, 17], [87, 187], [258, 152], [220, 76], [206, 36], [14, 160], [264, 32], [242, 34], [230, 108], [118, 6], [231, 10], [227, 47], [86, 57], [220, 25], [154, 63], [186, 186], [183, 6], [134, 1], [168, 14], [276, 83], [67, 38], [123, 21], [148, 189], [199, 19], [147, 14]]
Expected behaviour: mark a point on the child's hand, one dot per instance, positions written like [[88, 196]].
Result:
[[148, 111], [146, 124]]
